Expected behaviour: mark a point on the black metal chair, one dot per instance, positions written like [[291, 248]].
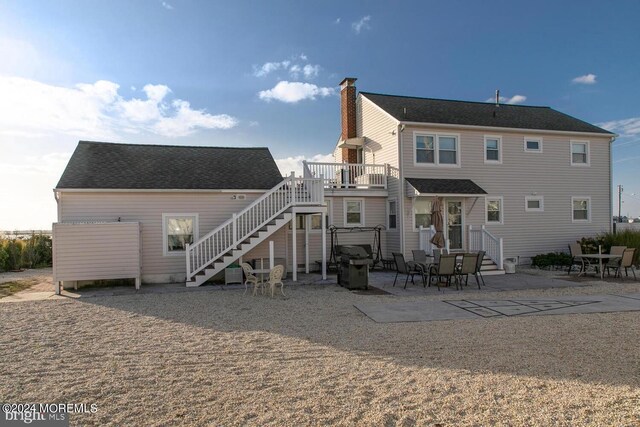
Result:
[[478, 272], [446, 268], [406, 267]]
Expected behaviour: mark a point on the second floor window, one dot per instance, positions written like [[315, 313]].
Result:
[[353, 213], [436, 150], [579, 153], [492, 149]]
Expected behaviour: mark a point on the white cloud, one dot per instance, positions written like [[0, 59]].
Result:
[[311, 71], [337, 21], [515, 99], [587, 79], [294, 163], [97, 111], [269, 67], [362, 24], [625, 127], [292, 92], [167, 5]]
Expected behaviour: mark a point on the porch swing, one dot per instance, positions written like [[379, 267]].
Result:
[[376, 250]]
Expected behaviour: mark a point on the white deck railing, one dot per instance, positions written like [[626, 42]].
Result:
[[426, 234], [290, 192], [481, 239], [348, 175]]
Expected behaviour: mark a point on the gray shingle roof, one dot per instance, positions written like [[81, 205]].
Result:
[[428, 110], [99, 165], [445, 186]]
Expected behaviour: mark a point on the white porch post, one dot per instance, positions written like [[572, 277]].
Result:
[[307, 226], [324, 245], [294, 254]]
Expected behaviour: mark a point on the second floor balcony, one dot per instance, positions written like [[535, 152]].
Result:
[[358, 176]]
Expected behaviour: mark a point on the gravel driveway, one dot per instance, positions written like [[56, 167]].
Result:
[[224, 358]]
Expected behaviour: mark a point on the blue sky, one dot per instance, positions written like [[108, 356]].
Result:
[[266, 73]]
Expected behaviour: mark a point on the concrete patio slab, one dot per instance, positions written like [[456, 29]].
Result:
[[404, 311]]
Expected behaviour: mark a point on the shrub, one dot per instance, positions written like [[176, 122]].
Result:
[[14, 254], [628, 238], [4, 257], [552, 259], [37, 251]]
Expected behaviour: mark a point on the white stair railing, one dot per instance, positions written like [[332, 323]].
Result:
[[482, 239], [290, 192], [426, 234]]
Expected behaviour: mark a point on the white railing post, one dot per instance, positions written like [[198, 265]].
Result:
[[321, 188], [293, 186], [234, 228], [188, 262], [305, 170], [501, 250], [384, 175], [483, 237]]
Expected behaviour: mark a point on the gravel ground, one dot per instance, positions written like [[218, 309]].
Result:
[[224, 358]]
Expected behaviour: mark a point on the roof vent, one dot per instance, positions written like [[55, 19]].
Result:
[[497, 97]]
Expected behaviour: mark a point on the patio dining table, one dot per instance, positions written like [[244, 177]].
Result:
[[599, 258]]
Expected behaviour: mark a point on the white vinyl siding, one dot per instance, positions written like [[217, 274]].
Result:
[[494, 210], [492, 149], [581, 209], [580, 155], [96, 251], [534, 204], [532, 144], [433, 149]]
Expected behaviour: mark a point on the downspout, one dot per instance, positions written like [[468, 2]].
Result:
[[613, 138], [399, 130], [57, 195]]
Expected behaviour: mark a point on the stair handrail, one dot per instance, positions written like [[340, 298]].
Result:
[[254, 216], [492, 245]]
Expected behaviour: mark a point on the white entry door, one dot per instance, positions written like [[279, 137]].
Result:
[[455, 224]]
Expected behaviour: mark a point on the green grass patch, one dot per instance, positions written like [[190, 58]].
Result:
[[10, 288]]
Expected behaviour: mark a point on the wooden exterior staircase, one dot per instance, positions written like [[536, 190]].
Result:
[[246, 229]]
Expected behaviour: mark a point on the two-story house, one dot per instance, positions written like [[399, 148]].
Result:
[[514, 180]]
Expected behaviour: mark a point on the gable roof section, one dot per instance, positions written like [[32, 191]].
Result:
[[442, 111], [445, 186], [99, 165]]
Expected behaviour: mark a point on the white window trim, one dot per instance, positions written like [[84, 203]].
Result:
[[532, 138], [486, 212], [389, 211], [436, 147], [493, 162], [582, 221], [344, 206], [196, 230], [572, 143], [539, 198]]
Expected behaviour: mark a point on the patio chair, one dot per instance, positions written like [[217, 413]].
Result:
[[576, 256], [250, 278], [614, 263], [420, 257], [478, 273], [406, 267], [275, 279], [467, 267], [625, 262], [446, 268]]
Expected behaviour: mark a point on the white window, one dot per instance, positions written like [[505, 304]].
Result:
[[392, 214], [300, 222], [436, 150], [494, 210], [422, 208], [354, 212], [534, 204], [581, 209], [579, 153], [492, 148], [178, 230], [532, 145]]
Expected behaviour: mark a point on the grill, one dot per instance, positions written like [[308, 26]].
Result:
[[354, 268]]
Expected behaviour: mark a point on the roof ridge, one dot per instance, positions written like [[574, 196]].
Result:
[[169, 145], [453, 100]]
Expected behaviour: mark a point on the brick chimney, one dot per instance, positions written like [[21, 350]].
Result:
[[348, 116]]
